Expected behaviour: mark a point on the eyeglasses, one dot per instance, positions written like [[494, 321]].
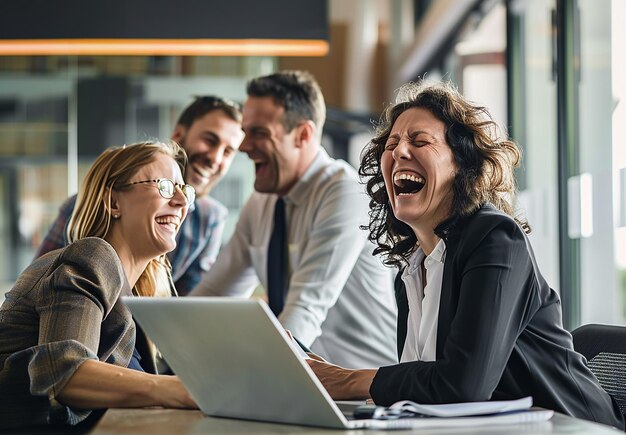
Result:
[[167, 188]]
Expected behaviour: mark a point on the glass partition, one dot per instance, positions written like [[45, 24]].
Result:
[[58, 113]]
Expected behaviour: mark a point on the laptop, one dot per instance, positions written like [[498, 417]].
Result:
[[237, 361]]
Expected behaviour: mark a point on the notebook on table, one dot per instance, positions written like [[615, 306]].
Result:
[[237, 361]]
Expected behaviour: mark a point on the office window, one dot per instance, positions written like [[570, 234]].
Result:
[[591, 113], [601, 156], [536, 110]]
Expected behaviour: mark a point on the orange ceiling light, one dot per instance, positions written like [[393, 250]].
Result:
[[163, 47]]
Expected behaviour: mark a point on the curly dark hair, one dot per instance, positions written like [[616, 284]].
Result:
[[485, 166], [297, 92]]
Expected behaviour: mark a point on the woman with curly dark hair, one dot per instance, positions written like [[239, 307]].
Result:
[[476, 319]]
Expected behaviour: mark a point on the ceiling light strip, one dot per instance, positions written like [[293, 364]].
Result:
[[164, 47]]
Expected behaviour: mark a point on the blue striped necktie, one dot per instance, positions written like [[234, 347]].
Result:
[[277, 261]]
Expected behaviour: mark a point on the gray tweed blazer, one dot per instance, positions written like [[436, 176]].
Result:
[[64, 309]]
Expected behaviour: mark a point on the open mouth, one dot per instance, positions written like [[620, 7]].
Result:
[[259, 165], [170, 223], [407, 184]]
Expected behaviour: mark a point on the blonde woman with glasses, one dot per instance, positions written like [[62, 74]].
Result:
[[67, 342]]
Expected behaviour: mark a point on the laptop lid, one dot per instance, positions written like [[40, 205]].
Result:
[[236, 360]]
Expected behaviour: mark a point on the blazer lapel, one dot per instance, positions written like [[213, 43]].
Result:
[[447, 302]]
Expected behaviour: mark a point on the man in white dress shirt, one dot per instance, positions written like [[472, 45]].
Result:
[[338, 297]]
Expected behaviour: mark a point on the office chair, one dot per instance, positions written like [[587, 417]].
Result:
[[604, 346]]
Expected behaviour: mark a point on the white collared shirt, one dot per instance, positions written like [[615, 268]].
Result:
[[421, 337], [340, 300]]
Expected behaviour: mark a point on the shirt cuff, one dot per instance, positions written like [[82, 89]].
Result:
[[52, 365]]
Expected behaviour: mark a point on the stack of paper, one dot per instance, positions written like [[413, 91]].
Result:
[[462, 409], [407, 414]]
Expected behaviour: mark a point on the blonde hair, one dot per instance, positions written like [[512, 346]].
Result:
[[91, 217]]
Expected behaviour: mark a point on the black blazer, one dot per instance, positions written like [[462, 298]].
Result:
[[499, 333]]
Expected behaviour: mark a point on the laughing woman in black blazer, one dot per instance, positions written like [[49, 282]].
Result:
[[476, 319]]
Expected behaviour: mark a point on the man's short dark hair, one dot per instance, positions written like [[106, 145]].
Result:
[[297, 92], [205, 104]]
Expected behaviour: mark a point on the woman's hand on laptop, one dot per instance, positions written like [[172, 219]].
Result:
[[341, 383], [303, 351], [173, 394]]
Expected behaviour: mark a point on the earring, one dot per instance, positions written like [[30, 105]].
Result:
[[116, 216]]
